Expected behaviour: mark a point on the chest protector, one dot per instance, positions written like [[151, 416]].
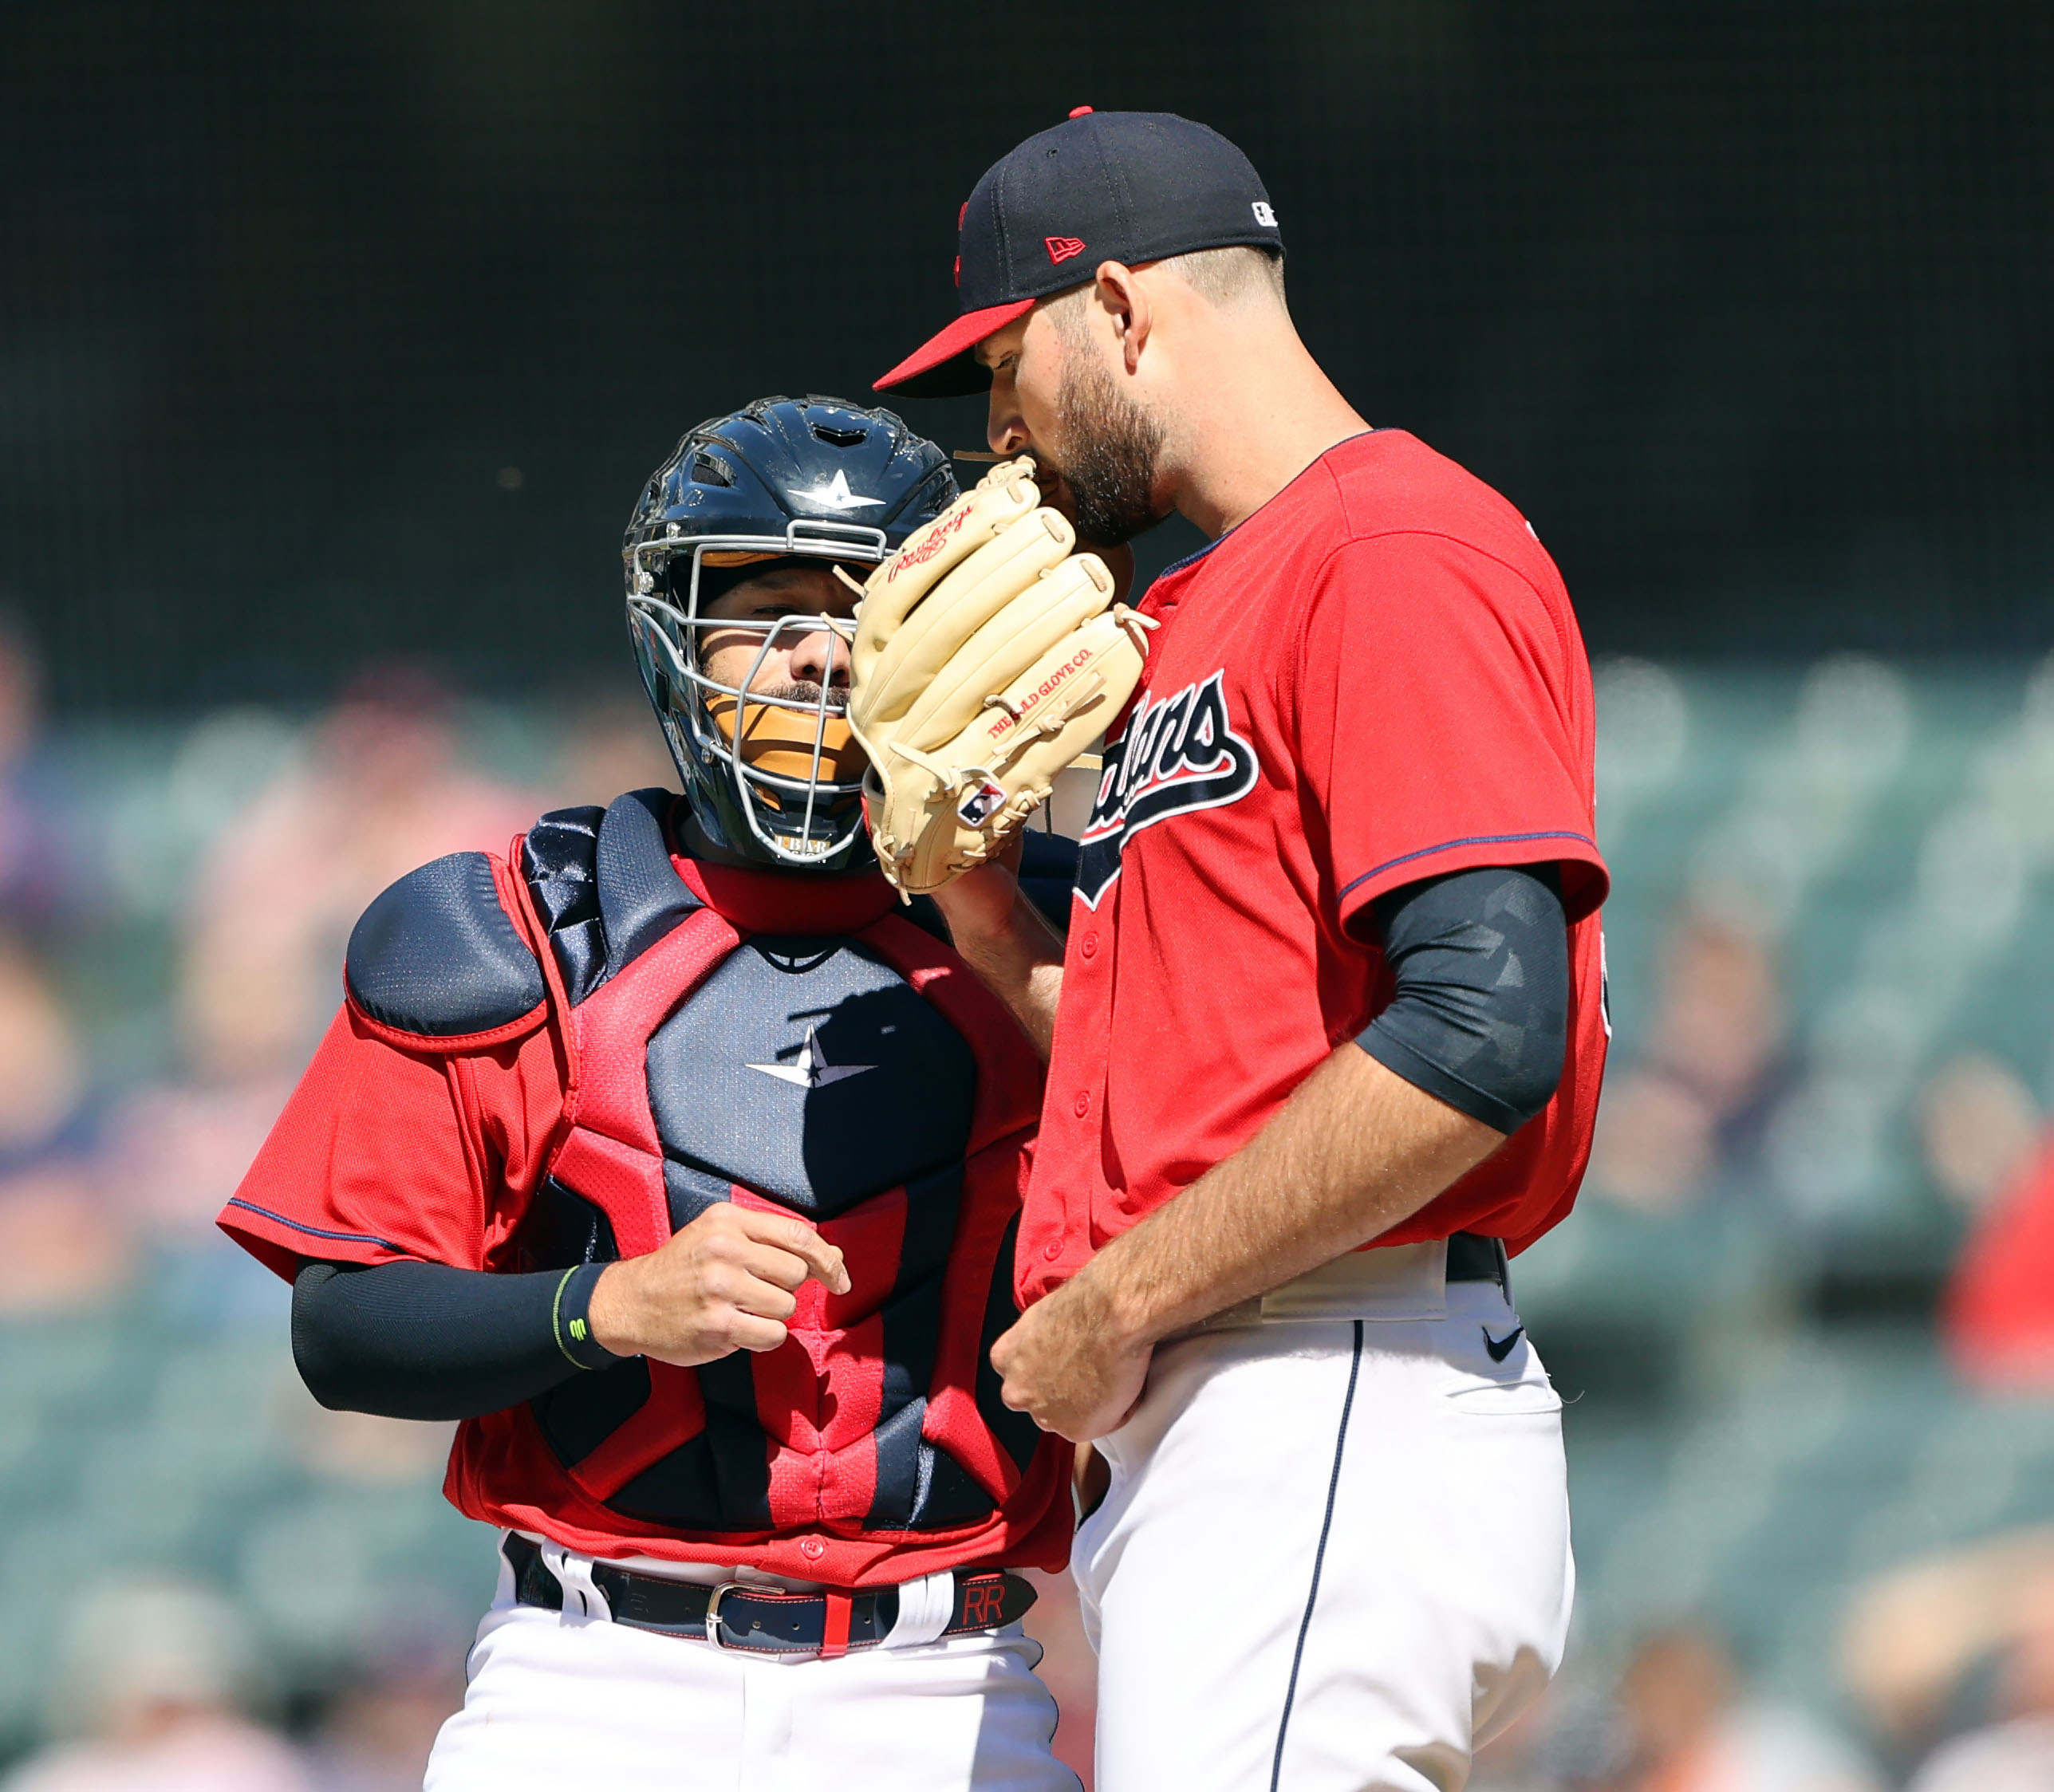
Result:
[[793, 1044]]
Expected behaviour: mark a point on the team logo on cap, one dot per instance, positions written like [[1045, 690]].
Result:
[[1062, 248], [1173, 757], [1264, 216]]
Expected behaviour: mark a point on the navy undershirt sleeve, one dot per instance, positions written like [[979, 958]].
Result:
[[423, 1341], [1481, 1018]]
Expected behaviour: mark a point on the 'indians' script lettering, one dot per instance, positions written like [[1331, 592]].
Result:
[[1174, 756]]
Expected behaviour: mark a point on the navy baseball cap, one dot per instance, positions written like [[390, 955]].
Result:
[[1129, 186]]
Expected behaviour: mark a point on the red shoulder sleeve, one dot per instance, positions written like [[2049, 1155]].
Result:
[[1444, 718], [384, 1152]]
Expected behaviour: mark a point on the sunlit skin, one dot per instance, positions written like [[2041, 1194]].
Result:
[[729, 1280], [818, 656], [797, 661], [1244, 409], [1027, 359]]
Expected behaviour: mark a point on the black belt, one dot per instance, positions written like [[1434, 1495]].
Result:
[[1473, 1257], [756, 1620]]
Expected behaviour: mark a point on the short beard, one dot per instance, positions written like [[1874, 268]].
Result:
[[1109, 446]]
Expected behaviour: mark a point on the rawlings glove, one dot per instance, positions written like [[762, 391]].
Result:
[[988, 655]]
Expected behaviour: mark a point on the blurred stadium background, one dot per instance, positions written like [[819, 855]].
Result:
[[334, 347]]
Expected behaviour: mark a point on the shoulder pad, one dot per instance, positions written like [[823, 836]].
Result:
[[558, 860], [605, 885], [642, 897], [438, 957]]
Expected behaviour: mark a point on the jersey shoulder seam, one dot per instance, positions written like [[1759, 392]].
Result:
[[313, 1231], [1355, 883]]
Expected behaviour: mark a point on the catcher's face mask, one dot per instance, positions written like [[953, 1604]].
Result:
[[780, 772]]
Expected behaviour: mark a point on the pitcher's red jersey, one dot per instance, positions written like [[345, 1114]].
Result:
[[1377, 678]]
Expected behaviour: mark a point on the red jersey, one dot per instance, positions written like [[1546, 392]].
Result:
[[1377, 678]]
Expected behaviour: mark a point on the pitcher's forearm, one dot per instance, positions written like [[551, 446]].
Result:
[[1356, 1150], [1002, 937]]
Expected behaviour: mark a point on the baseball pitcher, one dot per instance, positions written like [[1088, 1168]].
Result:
[[1325, 1043]]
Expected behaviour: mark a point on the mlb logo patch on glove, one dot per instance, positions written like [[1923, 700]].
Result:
[[981, 805]]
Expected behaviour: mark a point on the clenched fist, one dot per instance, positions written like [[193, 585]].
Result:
[[727, 1283]]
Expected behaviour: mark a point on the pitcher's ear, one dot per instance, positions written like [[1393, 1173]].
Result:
[[1116, 291]]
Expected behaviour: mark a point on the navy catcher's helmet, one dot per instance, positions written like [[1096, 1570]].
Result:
[[775, 777]]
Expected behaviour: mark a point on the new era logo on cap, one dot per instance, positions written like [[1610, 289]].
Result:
[[1128, 187]]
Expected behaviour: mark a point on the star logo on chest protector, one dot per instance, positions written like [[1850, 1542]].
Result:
[[810, 1068]]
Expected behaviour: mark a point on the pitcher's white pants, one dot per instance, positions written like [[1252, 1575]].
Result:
[[558, 1702], [1334, 1554]]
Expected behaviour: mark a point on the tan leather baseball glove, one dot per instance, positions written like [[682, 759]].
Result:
[[988, 655]]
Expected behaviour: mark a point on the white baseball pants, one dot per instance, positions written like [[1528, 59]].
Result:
[[556, 1700], [1334, 1553]]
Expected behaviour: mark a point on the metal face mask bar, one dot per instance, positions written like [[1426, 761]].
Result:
[[667, 649]]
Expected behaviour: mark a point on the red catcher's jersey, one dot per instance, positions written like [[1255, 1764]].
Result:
[[1377, 678], [753, 1037]]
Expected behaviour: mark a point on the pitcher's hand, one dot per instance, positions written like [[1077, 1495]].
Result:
[[1063, 1366]]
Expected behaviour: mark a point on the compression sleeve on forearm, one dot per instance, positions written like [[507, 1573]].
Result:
[[1480, 1019], [423, 1341]]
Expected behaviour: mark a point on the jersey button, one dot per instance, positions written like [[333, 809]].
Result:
[[1083, 1106], [1052, 1250], [812, 1548], [1089, 948]]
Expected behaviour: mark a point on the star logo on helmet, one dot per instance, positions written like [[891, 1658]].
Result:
[[835, 495]]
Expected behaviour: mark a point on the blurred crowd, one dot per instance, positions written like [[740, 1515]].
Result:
[[160, 1686], [1948, 1667], [1721, 1096], [98, 1166], [227, 881], [171, 931], [1685, 1120]]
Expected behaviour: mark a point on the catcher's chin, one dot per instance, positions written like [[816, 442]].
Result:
[[783, 742]]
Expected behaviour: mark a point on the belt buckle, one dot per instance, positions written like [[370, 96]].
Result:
[[713, 1611]]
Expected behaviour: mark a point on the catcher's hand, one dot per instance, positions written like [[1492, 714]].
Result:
[[988, 655]]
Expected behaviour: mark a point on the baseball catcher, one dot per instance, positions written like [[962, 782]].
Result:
[[678, 1159]]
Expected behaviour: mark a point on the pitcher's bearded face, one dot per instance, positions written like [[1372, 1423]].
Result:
[[1107, 457]]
